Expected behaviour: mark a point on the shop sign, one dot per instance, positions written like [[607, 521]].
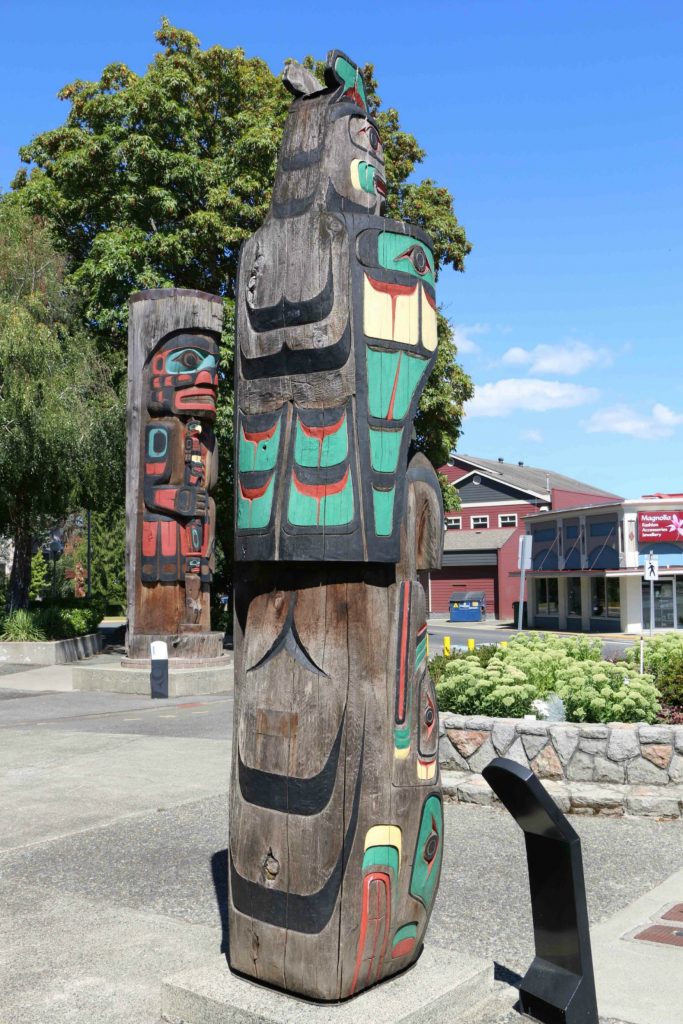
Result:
[[660, 526]]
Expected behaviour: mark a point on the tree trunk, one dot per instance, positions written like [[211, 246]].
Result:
[[20, 578]]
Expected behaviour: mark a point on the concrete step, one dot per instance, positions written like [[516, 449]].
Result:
[[442, 986]]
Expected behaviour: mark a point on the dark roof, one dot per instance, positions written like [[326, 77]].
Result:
[[530, 478], [476, 540]]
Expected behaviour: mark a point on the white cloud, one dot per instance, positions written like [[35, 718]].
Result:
[[532, 435], [567, 358], [463, 336], [516, 356], [517, 393], [623, 419]]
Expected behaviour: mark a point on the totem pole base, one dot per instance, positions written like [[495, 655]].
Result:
[[442, 985], [191, 647]]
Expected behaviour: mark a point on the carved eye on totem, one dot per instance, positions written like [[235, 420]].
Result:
[[417, 257], [188, 360], [372, 138], [429, 715], [431, 846]]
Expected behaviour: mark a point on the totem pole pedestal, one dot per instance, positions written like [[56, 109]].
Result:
[[442, 986]]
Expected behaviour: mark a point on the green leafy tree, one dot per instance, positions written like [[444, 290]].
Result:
[[155, 180], [40, 577], [109, 558], [58, 415]]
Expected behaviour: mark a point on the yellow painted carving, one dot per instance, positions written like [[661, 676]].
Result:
[[392, 318], [383, 835], [426, 771], [429, 339]]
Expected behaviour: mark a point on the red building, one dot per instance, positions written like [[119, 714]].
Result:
[[482, 539]]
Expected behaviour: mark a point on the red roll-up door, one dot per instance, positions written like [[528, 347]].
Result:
[[475, 577]]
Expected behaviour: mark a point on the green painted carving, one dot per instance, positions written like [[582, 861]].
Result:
[[254, 513], [428, 852], [320, 505], [381, 856], [421, 651], [258, 454], [384, 448], [366, 176], [402, 735], [393, 250], [351, 78], [392, 380], [383, 504], [315, 451], [157, 442], [408, 931]]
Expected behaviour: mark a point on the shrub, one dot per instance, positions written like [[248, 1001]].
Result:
[[534, 665], [663, 659], [499, 689], [605, 692], [21, 627]]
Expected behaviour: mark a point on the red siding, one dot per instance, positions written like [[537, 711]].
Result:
[[568, 499], [455, 577]]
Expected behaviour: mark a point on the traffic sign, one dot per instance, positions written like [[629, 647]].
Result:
[[651, 568]]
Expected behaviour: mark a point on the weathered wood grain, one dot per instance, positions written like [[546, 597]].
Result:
[[159, 608], [336, 831]]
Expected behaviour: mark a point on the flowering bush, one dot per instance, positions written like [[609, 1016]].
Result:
[[468, 688], [605, 692], [663, 658], [533, 665]]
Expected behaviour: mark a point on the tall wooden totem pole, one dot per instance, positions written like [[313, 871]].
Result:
[[336, 824], [172, 466]]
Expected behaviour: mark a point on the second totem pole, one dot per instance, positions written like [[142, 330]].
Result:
[[336, 822]]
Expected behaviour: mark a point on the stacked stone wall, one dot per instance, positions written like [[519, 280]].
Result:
[[615, 768]]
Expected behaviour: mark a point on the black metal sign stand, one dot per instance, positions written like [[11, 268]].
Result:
[[559, 987]]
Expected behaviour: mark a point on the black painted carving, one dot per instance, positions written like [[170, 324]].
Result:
[[287, 793], [559, 987], [289, 641], [291, 910]]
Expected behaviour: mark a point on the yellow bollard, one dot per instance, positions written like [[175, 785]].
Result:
[[471, 645], [427, 646], [446, 647]]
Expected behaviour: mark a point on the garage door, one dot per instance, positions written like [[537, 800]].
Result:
[[465, 577]]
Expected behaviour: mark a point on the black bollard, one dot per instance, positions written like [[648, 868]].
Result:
[[159, 673], [559, 987]]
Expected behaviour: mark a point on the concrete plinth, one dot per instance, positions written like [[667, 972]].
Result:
[[182, 682], [442, 986]]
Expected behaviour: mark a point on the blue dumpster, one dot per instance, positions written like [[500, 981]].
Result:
[[467, 606]]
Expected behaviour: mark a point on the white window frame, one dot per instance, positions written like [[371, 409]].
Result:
[[507, 515], [453, 522], [483, 524]]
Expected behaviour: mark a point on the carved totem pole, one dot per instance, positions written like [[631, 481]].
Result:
[[336, 824], [171, 468]]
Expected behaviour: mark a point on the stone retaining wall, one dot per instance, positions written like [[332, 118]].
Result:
[[611, 769]]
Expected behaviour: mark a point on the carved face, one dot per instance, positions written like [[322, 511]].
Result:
[[184, 377]]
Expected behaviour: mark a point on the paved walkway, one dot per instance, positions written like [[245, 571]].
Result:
[[113, 827]]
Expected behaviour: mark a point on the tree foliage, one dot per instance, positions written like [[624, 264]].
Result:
[[58, 412]]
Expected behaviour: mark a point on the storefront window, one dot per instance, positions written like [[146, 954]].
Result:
[[574, 596], [605, 598], [546, 597]]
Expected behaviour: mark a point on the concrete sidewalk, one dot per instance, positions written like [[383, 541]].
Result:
[[112, 875]]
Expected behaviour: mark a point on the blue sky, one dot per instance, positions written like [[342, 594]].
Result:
[[556, 124]]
